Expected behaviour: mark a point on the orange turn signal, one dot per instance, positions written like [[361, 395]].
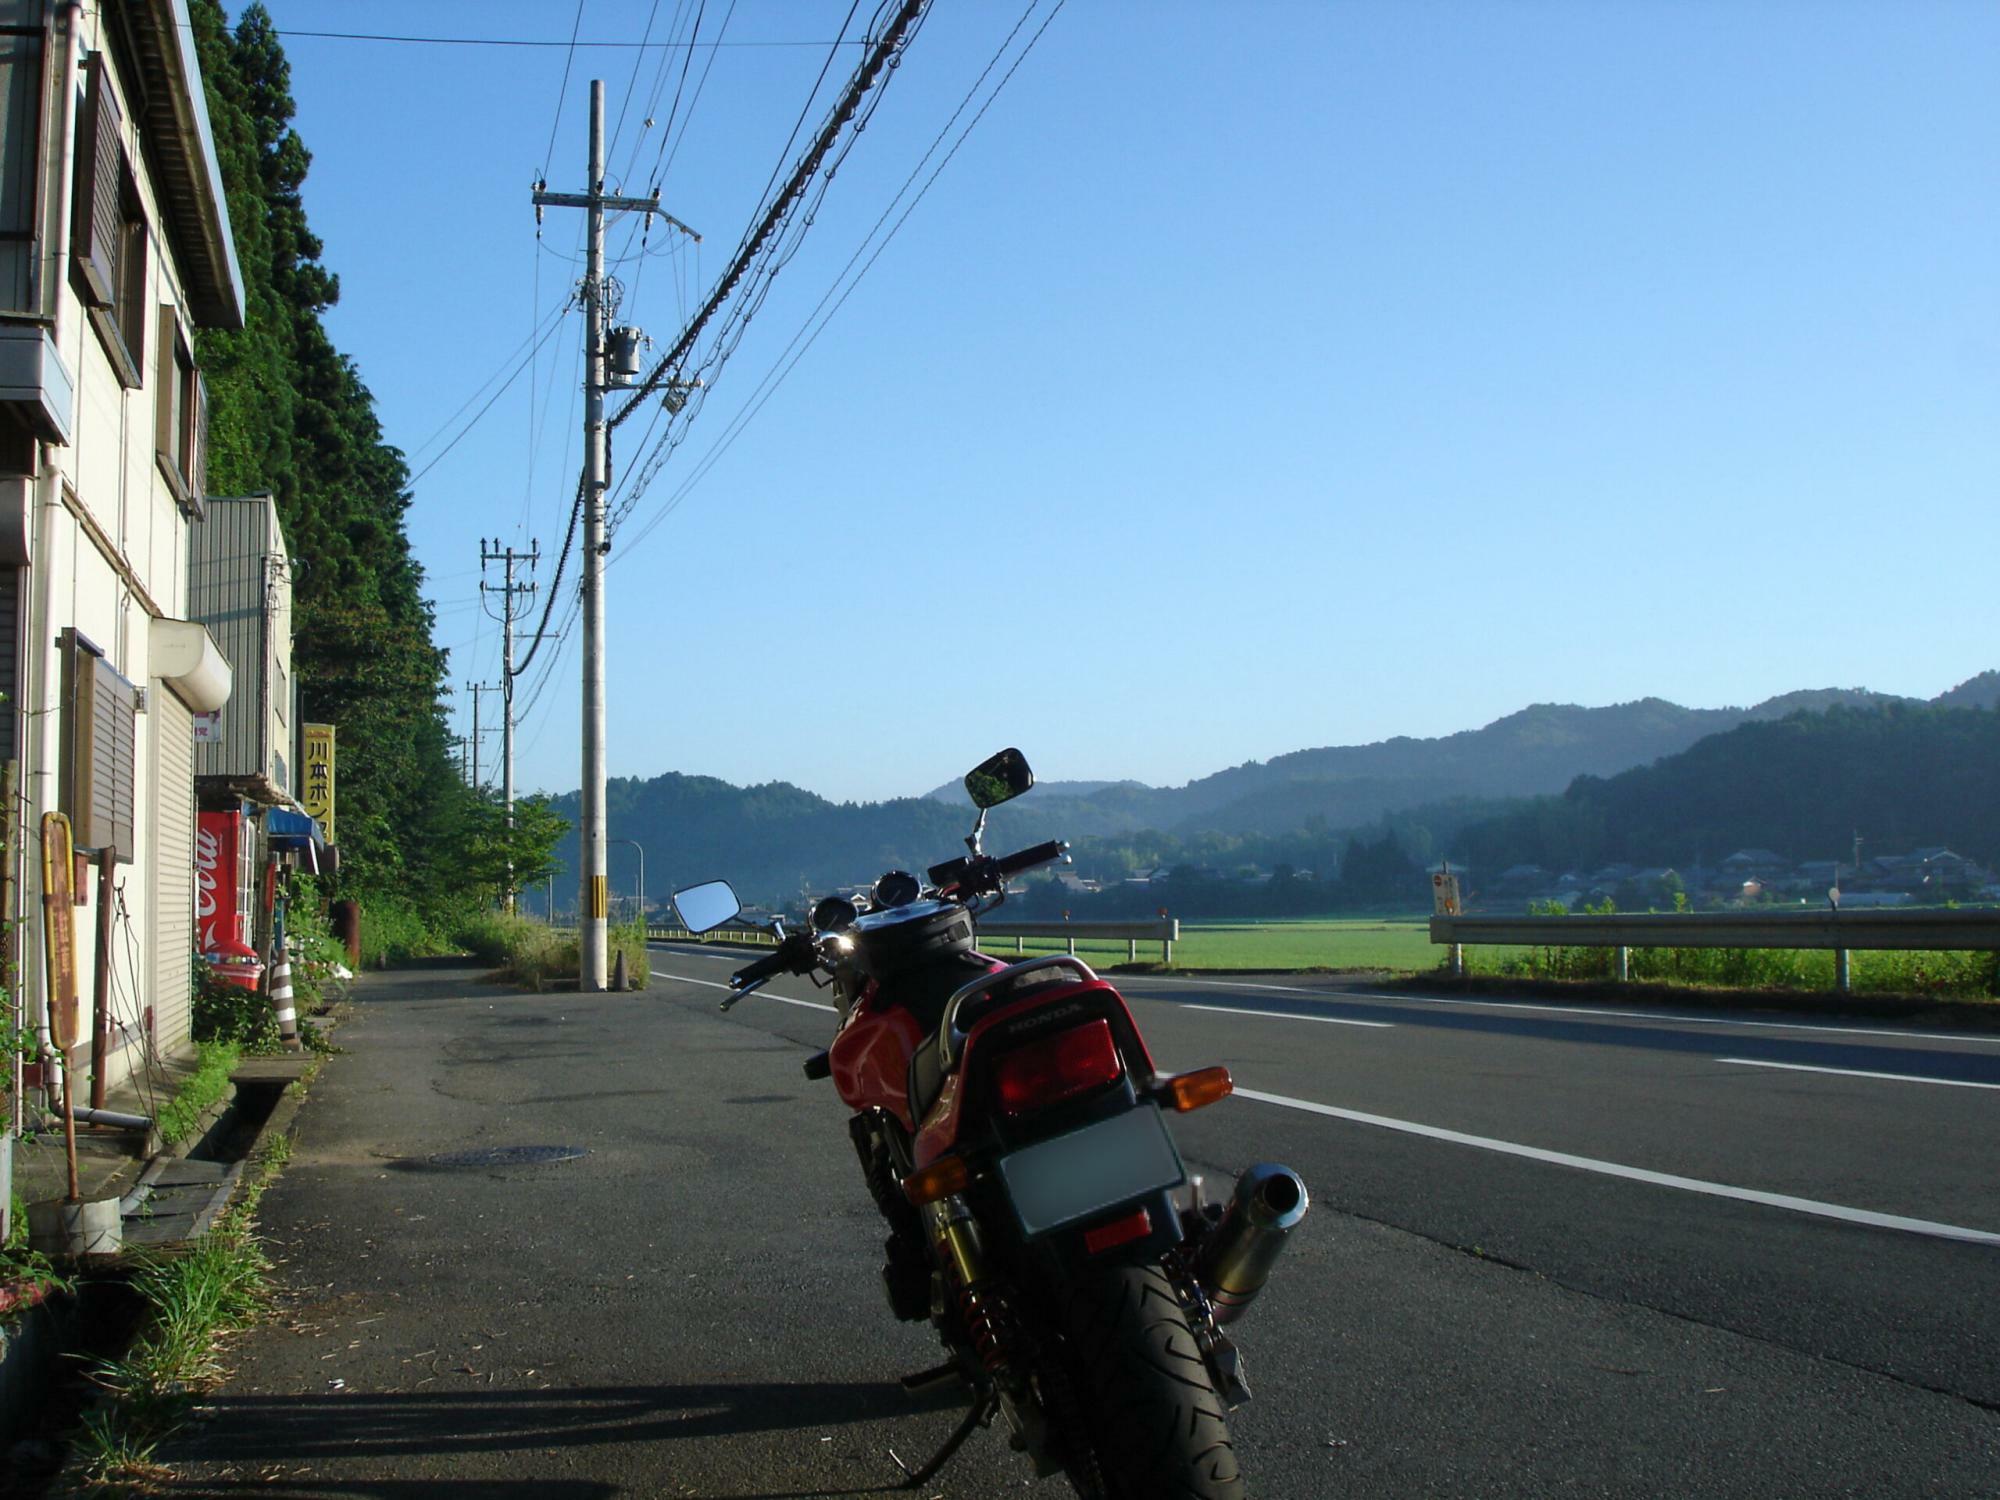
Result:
[[942, 1178], [1202, 1087]]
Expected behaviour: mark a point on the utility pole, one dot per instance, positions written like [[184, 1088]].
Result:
[[477, 688], [593, 936], [508, 591]]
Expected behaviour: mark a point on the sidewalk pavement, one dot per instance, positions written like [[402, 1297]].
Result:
[[679, 1297]]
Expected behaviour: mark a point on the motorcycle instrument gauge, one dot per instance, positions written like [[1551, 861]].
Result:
[[897, 888], [831, 913]]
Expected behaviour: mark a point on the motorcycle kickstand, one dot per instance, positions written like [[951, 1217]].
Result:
[[980, 1413], [937, 1375]]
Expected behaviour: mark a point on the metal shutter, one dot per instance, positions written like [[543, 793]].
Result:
[[98, 228], [10, 645], [173, 870]]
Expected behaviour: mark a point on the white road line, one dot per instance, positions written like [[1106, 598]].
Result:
[[1638, 1174], [1286, 1015], [1602, 1013], [1956, 1083], [721, 958], [710, 984]]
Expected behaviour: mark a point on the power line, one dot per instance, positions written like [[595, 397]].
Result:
[[787, 361], [497, 41], [481, 390], [547, 334], [879, 56], [555, 583], [562, 92]]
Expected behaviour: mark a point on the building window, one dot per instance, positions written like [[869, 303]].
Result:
[[181, 398], [108, 234], [99, 748], [21, 81]]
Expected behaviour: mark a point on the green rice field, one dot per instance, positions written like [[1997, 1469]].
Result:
[[1332, 943]]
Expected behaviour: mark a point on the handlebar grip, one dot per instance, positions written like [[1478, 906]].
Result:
[[764, 968], [1027, 859]]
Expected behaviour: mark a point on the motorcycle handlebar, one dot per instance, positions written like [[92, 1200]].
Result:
[[784, 960], [1027, 859]]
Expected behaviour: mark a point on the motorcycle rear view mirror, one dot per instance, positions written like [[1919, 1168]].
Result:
[[1000, 779], [704, 907]]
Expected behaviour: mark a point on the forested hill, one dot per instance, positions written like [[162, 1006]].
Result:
[[1906, 776], [767, 840], [1429, 795], [1540, 749]]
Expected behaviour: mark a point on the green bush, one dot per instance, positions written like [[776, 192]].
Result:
[[230, 1014], [538, 957], [394, 930]]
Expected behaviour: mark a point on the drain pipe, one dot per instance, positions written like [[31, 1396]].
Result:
[[115, 1119], [42, 792]]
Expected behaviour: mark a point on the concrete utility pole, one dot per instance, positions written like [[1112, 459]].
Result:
[[593, 936], [508, 591], [477, 688]]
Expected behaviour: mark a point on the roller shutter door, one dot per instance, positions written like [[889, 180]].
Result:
[[173, 843]]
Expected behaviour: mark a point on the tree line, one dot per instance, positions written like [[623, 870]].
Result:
[[289, 413]]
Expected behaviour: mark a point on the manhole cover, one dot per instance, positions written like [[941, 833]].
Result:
[[507, 1156]]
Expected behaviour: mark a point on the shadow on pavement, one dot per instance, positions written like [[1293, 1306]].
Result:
[[284, 1437]]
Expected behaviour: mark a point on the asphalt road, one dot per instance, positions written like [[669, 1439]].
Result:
[[1552, 1251]]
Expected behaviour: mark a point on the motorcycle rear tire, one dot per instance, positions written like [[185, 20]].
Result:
[[1147, 1404]]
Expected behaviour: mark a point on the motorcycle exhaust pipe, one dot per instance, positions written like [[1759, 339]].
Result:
[[1236, 1258]]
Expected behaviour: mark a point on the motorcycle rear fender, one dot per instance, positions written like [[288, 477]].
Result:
[[962, 1109]]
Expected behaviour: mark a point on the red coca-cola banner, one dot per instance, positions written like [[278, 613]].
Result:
[[219, 920]]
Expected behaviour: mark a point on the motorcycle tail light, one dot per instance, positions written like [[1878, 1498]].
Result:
[[1203, 1087], [1134, 1226], [1056, 1068]]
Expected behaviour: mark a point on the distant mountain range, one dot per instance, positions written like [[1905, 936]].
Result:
[[769, 839]]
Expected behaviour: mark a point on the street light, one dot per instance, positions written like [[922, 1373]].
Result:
[[642, 873]]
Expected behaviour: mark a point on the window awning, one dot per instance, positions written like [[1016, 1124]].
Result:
[[292, 830]]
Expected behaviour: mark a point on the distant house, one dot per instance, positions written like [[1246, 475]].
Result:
[[1746, 864]]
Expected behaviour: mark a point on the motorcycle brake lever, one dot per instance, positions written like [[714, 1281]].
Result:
[[748, 989]]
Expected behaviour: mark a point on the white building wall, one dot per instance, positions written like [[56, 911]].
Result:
[[114, 549]]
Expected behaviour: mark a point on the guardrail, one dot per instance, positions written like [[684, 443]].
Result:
[[1844, 933], [733, 937], [1166, 932]]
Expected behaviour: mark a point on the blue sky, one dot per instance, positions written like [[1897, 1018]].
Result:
[[1254, 377]]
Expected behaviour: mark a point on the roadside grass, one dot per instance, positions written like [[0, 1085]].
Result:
[[1962, 975], [538, 957], [178, 1118], [193, 1302]]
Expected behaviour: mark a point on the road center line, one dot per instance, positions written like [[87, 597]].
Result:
[[1287, 1015], [1956, 1083], [710, 984], [1638, 1174]]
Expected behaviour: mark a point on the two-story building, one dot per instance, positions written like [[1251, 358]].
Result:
[[115, 247]]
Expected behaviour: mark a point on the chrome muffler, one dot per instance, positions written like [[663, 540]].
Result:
[[1235, 1259]]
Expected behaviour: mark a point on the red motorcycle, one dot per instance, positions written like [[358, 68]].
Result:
[[1012, 1130]]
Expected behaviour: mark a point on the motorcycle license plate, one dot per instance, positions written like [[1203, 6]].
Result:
[[1071, 1177]]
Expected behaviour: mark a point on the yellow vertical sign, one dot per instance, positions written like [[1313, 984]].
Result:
[[316, 792], [59, 928]]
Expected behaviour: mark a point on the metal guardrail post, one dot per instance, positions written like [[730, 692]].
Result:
[[1458, 960], [1624, 964], [1843, 970]]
